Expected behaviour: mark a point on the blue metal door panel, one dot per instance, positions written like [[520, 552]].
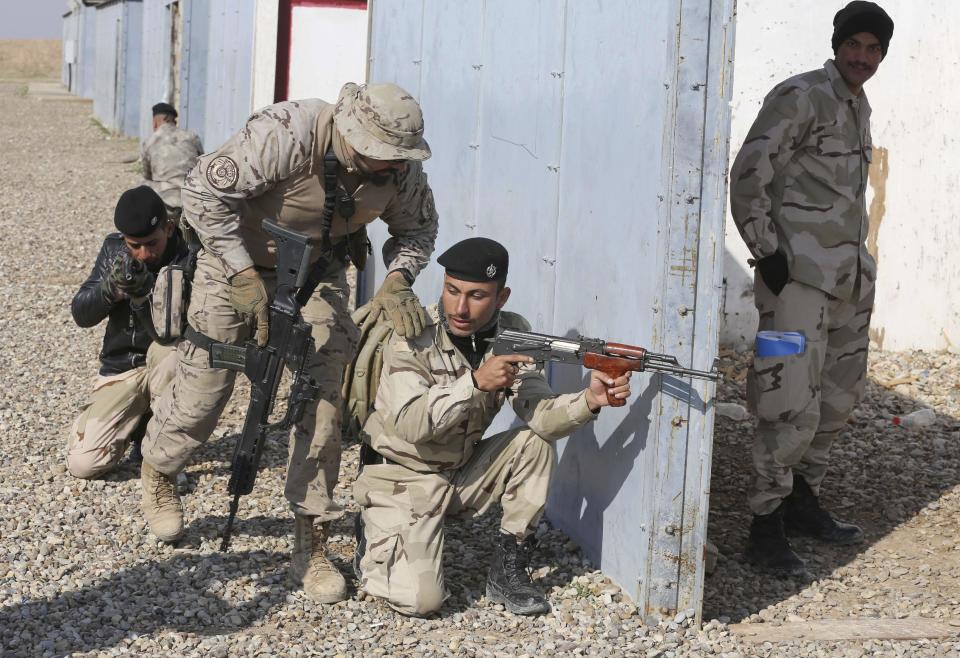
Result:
[[608, 273], [155, 60], [128, 118], [598, 156], [193, 73], [108, 53], [229, 69], [86, 83]]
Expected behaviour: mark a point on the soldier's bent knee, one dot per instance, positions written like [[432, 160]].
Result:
[[428, 600]]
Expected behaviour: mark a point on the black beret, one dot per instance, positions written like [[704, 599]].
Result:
[[139, 212], [476, 259], [164, 108], [862, 16]]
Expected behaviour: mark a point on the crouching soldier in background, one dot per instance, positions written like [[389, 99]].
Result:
[[423, 457], [133, 369]]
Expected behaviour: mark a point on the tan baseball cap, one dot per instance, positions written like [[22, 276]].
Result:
[[381, 121]]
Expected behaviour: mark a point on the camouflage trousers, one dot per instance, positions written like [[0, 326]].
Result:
[[802, 401], [186, 415], [403, 513], [115, 408]]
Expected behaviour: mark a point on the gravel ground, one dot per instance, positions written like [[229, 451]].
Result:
[[80, 575]]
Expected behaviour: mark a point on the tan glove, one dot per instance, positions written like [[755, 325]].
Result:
[[248, 295], [397, 301]]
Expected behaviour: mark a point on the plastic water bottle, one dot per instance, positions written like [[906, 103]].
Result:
[[916, 420]]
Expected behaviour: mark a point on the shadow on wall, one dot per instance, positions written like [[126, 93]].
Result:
[[881, 476]]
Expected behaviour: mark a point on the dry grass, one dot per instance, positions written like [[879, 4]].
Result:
[[33, 59]]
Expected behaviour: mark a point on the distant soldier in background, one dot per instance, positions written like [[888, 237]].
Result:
[[168, 155], [797, 194], [133, 368]]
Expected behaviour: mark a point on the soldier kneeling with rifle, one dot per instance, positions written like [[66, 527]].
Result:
[[423, 457], [134, 368]]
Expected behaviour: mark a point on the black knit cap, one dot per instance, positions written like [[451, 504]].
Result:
[[862, 16], [139, 212], [476, 259], [164, 108]]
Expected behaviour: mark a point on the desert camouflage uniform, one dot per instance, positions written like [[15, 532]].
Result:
[[274, 168], [167, 156], [116, 405], [429, 421], [797, 186]]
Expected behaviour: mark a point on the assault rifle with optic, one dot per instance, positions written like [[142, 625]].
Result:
[[614, 359]]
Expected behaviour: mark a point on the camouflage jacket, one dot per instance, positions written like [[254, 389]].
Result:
[[273, 168], [167, 156], [429, 416], [799, 181]]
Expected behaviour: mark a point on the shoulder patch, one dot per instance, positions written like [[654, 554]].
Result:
[[222, 173]]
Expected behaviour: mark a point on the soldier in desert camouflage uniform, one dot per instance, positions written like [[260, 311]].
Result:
[[167, 156], [274, 168], [423, 455], [797, 195]]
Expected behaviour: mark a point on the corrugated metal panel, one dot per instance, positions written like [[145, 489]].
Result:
[[117, 89], [87, 53], [155, 62], [217, 62], [596, 168]]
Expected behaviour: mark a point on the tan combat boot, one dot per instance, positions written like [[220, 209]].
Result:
[[161, 504], [310, 567]]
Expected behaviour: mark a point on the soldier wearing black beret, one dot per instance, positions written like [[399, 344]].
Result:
[[132, 367], [438, 394]]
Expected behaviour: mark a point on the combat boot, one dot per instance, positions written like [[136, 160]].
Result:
[[161, 503], [768, 547], [508, 581], [804, 516], [310, 567]]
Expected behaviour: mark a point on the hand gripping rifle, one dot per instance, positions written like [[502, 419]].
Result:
[[290, 344], [613, 359]]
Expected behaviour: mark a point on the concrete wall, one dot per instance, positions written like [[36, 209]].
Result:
[[603, 174], [914, 233]]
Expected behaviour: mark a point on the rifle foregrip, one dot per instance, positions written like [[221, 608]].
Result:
[[612, 367]]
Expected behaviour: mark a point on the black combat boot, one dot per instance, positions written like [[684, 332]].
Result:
[[135, 456], [508, 581], [768, 547], [804, 516]]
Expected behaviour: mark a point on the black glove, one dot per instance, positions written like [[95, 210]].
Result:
[[774, 271], [130, 276]]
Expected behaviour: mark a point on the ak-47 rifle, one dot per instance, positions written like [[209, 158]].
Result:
[[289, 344], [614, 359]]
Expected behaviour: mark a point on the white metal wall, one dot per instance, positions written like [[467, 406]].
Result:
[[334, 35], [590, 138], [913, 182]]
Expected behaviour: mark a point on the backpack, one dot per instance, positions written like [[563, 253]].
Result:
[[361, 377]]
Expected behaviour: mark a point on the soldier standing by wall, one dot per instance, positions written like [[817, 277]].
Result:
[[274, 167], [133, 369], [797, 194], [167, 156]]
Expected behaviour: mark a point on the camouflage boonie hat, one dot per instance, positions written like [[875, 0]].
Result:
[[381, 121]]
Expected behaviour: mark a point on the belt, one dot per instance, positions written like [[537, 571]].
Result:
[[370, 457]]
